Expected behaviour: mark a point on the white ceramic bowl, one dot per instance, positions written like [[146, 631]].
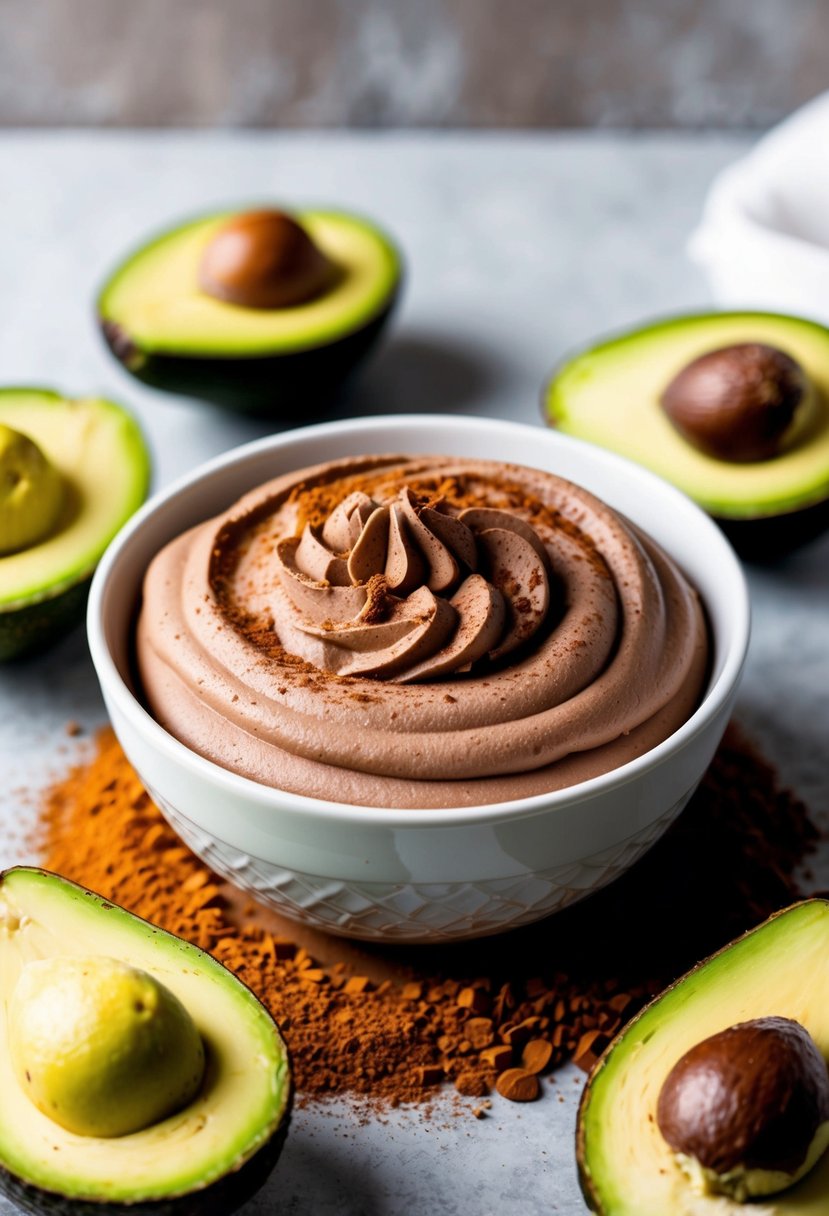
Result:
[[424, 874]]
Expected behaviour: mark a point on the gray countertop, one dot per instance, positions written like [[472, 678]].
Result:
[[518, 247]]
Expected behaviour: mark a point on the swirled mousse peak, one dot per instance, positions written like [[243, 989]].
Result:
[[410, 590], [419, 632]]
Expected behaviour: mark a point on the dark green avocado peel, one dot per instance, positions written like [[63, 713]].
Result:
[[256, 311], [210, 1155]]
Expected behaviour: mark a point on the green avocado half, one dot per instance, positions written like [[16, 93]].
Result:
[[99, 453], [626, 1168], [609, 395], [288, 361], [207, 1158]]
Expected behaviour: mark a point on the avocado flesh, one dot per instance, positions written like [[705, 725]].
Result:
[[99, 451], [609, 395], [104, 466], [236, 1114], [155, 304], [627, 1169]]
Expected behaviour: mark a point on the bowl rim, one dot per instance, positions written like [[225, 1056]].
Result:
[[716, 696]]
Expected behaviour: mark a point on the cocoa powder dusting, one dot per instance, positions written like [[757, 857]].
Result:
[[391, 1024], [313, 504]]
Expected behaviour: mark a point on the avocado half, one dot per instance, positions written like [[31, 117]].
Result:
[[626, 1168], [288, 361], [100, 453], [207, 1159], [609, 395]]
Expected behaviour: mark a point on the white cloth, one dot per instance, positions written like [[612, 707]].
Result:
[[764, 235]]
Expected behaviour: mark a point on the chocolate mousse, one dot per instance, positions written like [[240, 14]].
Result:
[[420, 632]]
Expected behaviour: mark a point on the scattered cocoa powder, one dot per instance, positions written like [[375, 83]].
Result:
[[390, 1024]]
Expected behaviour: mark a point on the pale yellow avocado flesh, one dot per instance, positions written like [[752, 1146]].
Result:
[[154, 297], [609, 395], [101, 1048], [100, 454], [246, 1087], [782, 969], [31, 492]]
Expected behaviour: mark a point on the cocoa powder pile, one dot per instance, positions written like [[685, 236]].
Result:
[[391, 1024]]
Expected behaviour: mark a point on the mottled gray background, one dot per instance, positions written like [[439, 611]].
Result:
[[379, 63]]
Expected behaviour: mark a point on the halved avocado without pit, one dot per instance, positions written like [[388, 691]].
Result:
[[626, 1168], [97, 454], [164, 317], [610, 394], [206, 1158]]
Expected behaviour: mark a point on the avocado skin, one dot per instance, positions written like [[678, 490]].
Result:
[[771, 538], [590, 1191], [223, 1197], [33, 628], [296, 386]]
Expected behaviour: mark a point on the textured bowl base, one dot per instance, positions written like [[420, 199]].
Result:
[[417, 912]]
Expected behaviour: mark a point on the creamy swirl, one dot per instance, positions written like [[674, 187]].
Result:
[[419, 633], [410, 590]]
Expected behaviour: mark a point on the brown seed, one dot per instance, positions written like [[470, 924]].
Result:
[[518, 1085], [263, 259], [412, 992], [536, 1055], [736, 403], [497, 1058], [753, 1095], [474, 999]]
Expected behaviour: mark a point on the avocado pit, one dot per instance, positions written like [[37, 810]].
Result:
[[264, 259], [737, 403], [102, 1048], [746, 1111], [31, 492]]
